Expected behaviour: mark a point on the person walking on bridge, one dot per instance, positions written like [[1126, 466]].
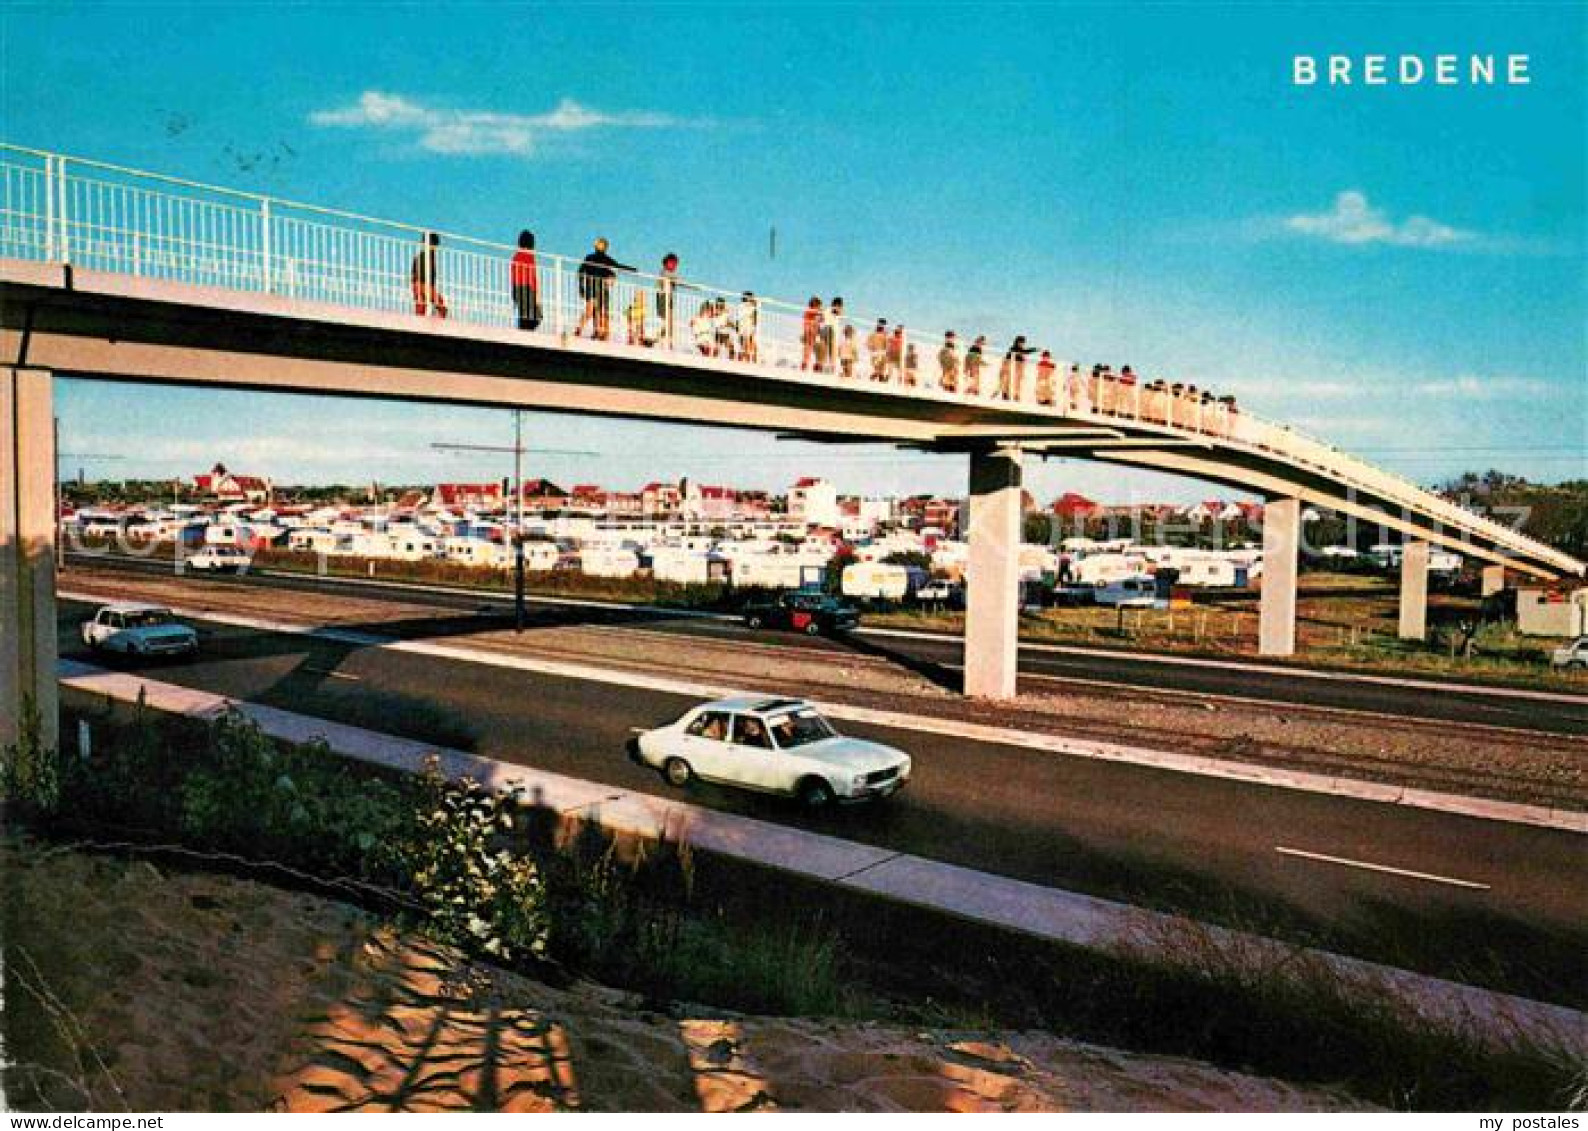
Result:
[[827, 343], [667, 299], [1045, 368], [810, 331], [749, 327], [425, 277], [948, 363], [1077, 398], [597, 274], [848, 352], [525, 282], [1127, 398], [702, 327], [975, 358], [1012, 373], [877, 347]]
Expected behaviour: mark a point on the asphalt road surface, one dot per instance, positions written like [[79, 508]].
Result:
[[1450, 702], [1303, 864]]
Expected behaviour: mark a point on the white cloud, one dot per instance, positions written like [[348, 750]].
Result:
[[1294, 385], [1354, 220], [479, 132], [263, 454], [1471, 388]]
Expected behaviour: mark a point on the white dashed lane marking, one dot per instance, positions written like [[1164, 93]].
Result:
[[1368, 866]]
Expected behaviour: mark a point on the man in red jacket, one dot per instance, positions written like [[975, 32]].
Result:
[[525, 282]]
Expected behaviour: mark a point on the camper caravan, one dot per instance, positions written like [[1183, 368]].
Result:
[[606, 561], [1100, 569], [881, 581], [480, 552]]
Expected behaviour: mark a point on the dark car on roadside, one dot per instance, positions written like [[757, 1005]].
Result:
[[810, 613]]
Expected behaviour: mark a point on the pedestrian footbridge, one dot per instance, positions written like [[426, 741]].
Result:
[[117, 274]]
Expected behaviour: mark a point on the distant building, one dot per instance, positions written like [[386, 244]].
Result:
[[754, 505], [467, 496], [814, 502], [626, 504], [1070, 507], [588, 497], [1552, 611], [544, 495], [930, 512], [708, 503], [658, 499], [225, 487], [877, 509]]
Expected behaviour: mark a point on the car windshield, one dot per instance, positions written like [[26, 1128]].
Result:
[[146, 618], [799, 728]]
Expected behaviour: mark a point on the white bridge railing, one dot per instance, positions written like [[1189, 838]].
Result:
[[107, 218]]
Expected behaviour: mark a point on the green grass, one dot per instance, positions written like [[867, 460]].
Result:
[[1358, 636]]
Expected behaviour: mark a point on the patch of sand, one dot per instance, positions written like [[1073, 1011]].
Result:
[[132, 987]]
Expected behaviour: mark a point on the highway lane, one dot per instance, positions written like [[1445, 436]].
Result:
[[1328, 869], [1566, 715]]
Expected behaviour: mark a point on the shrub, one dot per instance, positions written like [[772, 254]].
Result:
[[300, 805], [30, 775], [635, 923], [475, 892]]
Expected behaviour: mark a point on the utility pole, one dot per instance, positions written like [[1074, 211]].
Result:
[[518, 520], [517, 449], [60, 495]]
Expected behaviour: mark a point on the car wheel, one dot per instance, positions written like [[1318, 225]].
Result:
[[813, 629], [677, 772], [815, 794], [753, 622]]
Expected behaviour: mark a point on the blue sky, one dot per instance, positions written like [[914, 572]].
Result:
[[1398, 269]]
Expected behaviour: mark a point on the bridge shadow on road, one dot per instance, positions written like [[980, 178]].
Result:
[[310, 674], [930, 670]]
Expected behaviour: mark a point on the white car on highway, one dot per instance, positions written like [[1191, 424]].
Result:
[[214, 558], [1573, 657], [772, 745], [132, 628]]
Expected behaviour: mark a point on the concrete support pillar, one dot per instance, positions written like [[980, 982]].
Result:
[[992, 608], [1493, 580], [1276, 621], [27, 552], [1414, 591]]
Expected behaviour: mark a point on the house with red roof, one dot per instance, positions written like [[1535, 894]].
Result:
[[709, 503], [1077, 508], [225, 487], [468, 496], [661, 498], [544, 495]]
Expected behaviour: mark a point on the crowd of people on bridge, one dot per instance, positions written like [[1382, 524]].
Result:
[[830, 342]]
